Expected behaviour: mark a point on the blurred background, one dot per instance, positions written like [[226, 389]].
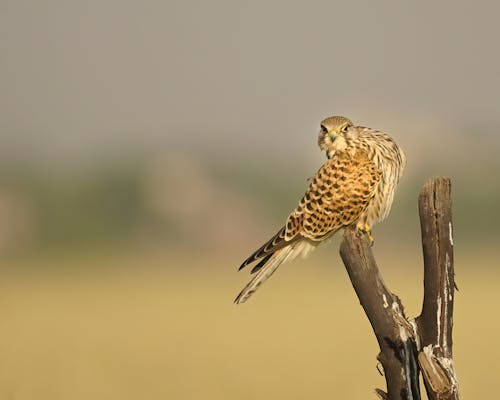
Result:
[[147, 148]]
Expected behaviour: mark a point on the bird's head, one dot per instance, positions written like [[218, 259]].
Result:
[[333, 129]]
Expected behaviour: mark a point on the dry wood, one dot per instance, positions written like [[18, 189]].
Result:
[[435, 323], [406, 347], [386, 315]]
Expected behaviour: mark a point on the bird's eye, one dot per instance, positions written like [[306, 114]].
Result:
[[323, 129], [344, 128]]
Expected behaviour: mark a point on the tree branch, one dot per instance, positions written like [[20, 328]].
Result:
[[430, 335], [435, 323], [386, 315]]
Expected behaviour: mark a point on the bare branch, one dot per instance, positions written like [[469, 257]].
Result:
[[435, 323], [429, 335], [386, 315]]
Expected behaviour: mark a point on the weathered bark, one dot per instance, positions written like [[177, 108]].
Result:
[[386, 315], [435, 323], [406, 347]]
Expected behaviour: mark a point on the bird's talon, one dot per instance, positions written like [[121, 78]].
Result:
[[367, 231]]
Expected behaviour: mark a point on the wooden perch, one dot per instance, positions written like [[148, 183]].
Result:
[[424, 344], [386, 315], [435, 323]]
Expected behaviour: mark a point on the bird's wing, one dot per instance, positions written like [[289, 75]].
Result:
[[267, 249], [337, 195]]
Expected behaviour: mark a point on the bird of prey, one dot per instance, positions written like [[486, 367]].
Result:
[[355, 186]]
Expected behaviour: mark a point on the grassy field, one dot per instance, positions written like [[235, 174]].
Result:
[[137, 329]]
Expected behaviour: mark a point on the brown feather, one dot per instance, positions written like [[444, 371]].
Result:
[[337, 196], [277, 242]]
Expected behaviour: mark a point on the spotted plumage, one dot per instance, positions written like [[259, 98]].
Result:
[[355, 186], [337, 195]]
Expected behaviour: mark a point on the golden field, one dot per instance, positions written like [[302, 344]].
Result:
[[132, 327]]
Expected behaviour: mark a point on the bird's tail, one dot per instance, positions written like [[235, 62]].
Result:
[[263, 272]]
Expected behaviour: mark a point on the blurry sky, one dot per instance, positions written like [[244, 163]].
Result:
[[221, 101], [98, 79]]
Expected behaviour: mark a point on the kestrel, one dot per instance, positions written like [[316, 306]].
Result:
[[354, 187]]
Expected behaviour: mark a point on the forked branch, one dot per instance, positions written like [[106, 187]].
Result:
[[406, 347]]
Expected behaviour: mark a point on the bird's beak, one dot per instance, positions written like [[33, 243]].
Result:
[[333, 135]]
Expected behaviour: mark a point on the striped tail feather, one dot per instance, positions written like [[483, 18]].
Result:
[[267, 266], [263, 273], [267, 249], [261, 263]]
